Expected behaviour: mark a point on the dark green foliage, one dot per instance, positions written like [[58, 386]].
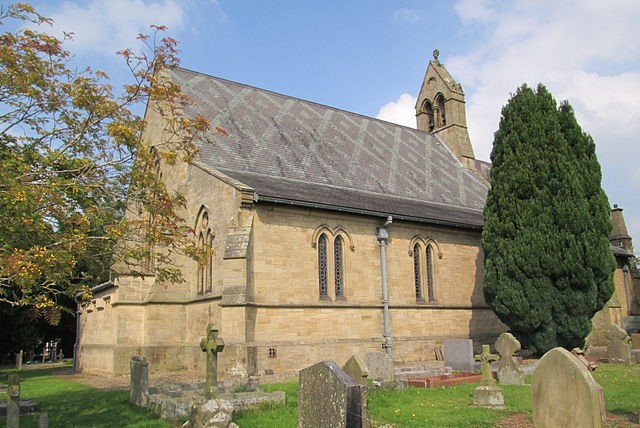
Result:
[[548, 260]]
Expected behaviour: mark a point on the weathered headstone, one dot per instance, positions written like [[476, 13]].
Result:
[[328, 397], [43, 420], [139, 387], [458, 354], [379, 365], [211, 344], [486, 358], [13, 401], [212, 413], [618, 345], [635, 340], [357, 369], [564, 393], [509, 370], [19, 360], [54, 351], [487, 394]]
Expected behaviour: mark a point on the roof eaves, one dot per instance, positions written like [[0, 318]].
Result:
[[98, 288], [329, 207]]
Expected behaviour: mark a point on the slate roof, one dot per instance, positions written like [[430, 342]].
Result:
[[302, 153]]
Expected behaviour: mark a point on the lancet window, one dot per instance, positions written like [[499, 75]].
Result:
[[428, 110], [424, 252], [441, 119], [322, 266], [205, 236], [330, 245]]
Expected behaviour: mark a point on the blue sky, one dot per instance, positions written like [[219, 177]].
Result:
[[369, 57]]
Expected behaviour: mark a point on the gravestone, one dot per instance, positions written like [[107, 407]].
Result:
[[635, 340], [458, 354], [139, 387], [379, 365], [564, 394], [509, 370], [487, 394], [19, 360], [211, 344], [13, 401], [43, 420], [618, 345], [357, 369], [329, 398]]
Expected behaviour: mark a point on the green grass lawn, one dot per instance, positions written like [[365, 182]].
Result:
[[450, 406], [70, 404]]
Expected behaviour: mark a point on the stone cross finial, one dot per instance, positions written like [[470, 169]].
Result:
[[211, 344], [436, 54], [485, 358]]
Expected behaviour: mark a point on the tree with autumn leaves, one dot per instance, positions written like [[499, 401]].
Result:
[[73, 162]]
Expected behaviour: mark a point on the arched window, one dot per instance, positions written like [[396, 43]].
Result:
[[201, 269], [208, 279], [331, 245], [204, 278], [424, 252], [338, 266], [429, 274], [428, 110], [441, 120], [417, 273], [322, 266]]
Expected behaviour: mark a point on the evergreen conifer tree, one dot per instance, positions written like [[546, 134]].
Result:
[[548, 262]]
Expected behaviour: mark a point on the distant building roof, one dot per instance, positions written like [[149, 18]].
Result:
[[302, 153]]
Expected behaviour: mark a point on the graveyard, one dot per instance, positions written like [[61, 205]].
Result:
[[66, 400]]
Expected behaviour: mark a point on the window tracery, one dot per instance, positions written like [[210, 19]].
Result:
[[338, 267], [204, 281], [424, 252], [322, 266], [330, 244]]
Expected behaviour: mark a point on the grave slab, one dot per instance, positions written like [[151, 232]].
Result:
[[458, 354]]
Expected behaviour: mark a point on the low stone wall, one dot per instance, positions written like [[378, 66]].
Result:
[[212, 413]]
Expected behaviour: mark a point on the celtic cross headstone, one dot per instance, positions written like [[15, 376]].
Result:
[[486, 358], [509, 371], [487, 394], [212, 344]]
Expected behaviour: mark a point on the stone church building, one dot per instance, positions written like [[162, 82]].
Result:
[[334, 234]]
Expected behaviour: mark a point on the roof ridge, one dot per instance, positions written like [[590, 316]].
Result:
[[303, 100]]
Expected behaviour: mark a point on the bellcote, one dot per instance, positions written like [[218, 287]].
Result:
[[440, 109], [619, 236]]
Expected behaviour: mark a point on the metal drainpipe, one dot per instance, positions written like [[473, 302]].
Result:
[[383, 237]]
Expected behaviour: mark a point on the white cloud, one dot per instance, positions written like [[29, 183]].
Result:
[[402, 111], [406, 15], [583, 51], [105, 27]]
